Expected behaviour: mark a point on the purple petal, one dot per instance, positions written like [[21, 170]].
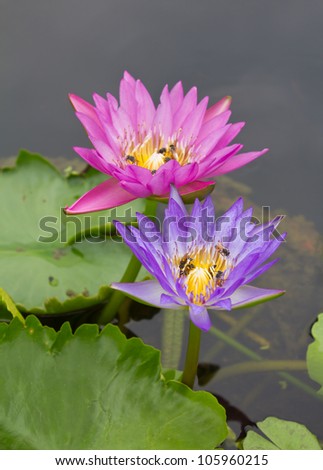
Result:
[[247, 296], [254, 274], [169, 301], [200, 317], [106, 195], [224, 304], [174, 196], [148, 292]]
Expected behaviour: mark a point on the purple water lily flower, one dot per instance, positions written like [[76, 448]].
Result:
[[199, 262], [145, 149]]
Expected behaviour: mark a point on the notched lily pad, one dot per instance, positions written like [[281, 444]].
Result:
[[92, 390], [315, 353], [44, 254], [281, 435]]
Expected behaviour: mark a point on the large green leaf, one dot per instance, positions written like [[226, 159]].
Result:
[[96, 391], [281, 434], [315, 353], [40, 268]]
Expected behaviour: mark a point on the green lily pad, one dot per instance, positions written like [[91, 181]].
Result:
[[315, 353], [281, 435], [50, 262], [92, 390]]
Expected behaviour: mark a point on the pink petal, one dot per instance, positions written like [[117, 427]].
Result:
[[230, 134], [209, 143], [164, 118], [91, 126], [83, 107], [213, 160], [129, 78], [92, 158], [219, 107], [237, 161], [106, 195], [103, 109], [213, 125], [185, 174], [189, 103], [176, 96], [146, 108], [161, 181], [192, 124], [128, 101], [136, 189]]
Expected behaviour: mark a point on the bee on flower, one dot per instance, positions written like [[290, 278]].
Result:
[[202, 273], [144, 149]]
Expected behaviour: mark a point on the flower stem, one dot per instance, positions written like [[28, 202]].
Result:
[[192, 355], [259, 366], [110, 310], [256, 357]]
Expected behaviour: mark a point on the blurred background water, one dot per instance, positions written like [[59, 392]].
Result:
[[268, 56]]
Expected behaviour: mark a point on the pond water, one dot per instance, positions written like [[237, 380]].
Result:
[[268, 56]]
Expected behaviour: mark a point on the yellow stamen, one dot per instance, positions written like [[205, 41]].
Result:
[[152, 152], [202, 271]]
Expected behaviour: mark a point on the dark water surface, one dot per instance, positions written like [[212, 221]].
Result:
[[268, 56]]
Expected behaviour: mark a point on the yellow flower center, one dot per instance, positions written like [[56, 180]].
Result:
[[202, 271], [152, 151]]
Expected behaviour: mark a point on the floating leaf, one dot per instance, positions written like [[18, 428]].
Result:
[[9, 305], [96, 390], [281, 434], [315, 353], [40, 267]]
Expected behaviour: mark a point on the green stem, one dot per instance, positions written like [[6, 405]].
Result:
[[192, 355], [259, 366], [249, 353], [111, 308]]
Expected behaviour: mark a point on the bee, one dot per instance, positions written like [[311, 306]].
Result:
[[186, 266], [172, 148], [219, 278], [222, 250], [131, 159], [162, 151], [211, 270]]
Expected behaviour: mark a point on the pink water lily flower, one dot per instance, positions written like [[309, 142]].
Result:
[[146, 149]]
